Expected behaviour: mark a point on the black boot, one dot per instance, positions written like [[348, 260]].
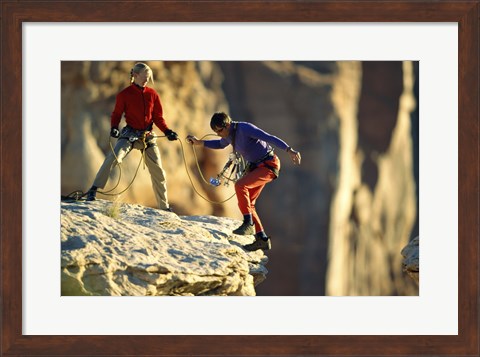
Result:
[[92, 194], [259, 243], [245, 229]]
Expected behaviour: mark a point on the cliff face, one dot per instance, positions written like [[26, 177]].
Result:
[[374, 207], [411, 259], [133, 250], [340, 220]]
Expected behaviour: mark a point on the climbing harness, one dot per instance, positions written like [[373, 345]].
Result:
[[264, 161], [237, 167], [235, 161]]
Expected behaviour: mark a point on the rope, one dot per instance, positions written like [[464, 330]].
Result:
[[77, 195], [142, 158], [196, 158], [119, 166], [200, 172]]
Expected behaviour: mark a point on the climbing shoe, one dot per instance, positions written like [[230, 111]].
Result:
[[259, 244], [245, 229], [92, 194]]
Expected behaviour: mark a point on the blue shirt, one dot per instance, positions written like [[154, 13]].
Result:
[[250, 141]]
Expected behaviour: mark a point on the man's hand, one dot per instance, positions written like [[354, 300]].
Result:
[[114, 133], [171, 135], [295, 156], [193, 140]]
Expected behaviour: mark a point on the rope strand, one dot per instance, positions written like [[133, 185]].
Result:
[[77, 195], [200, 171]]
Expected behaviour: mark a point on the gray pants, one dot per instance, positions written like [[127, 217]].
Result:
[[152, 160]]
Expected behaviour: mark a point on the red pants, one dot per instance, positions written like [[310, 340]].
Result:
[[249, 187]]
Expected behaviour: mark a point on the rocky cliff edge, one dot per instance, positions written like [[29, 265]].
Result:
[[108, 248]]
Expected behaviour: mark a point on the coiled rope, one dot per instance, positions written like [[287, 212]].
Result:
[[200, 172]]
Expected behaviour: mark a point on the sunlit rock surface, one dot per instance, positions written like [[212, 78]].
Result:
[[411, 259], [145, 251]]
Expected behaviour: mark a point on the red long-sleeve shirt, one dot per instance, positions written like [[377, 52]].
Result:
[[141, 106]]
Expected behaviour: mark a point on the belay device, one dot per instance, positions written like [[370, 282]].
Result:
[[235, 166]]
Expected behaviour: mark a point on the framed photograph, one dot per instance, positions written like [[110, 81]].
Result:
[[439, 40]]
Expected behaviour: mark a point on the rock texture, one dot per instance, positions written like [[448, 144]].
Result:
[[145, 251], [411, 259]]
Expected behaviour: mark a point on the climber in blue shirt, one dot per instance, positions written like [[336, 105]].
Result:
[[255, 145]]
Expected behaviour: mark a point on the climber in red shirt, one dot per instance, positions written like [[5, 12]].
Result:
[[142, 108], [141, 105]]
